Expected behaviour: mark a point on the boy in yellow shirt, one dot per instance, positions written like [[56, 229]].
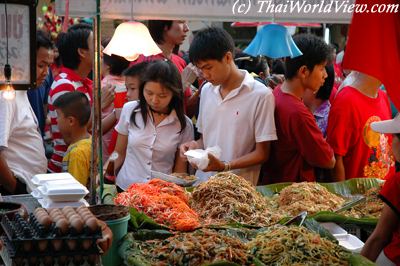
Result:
[[73, 114]]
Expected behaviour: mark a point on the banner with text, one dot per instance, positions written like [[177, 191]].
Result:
[[319, 11]]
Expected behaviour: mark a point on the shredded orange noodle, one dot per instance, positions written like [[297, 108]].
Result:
[[166, 203]]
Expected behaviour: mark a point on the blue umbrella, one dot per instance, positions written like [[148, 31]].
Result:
[[274, 41]]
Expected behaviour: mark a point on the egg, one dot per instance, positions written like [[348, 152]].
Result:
[[77, 224], [68, 208], [85, 213], [27, 246], [86, 244], [57, 244], [92, 224], [54, 211], [78, 259], [62, 225], [71, 244], [46, 221], [87, 217], [62, 260], [93, 259], [57, 217], [42, 245], [39, 210], [81, 208], [48, 260], [74, 217]]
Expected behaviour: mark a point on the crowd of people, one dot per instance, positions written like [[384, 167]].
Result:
[[290, 120]]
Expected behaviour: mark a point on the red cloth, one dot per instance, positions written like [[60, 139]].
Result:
[[365, 152], [333, 94], [66, 81], [373, 46], [390, 195], [300, 143]]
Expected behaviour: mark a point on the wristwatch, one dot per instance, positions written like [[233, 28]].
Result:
[[227, 167]]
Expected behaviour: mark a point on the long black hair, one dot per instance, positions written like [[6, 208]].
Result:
[[165, 73]]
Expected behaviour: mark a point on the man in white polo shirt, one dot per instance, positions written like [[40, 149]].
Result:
[[21, 146], [236, 111]]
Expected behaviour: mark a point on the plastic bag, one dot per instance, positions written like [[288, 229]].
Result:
[[199, 157]]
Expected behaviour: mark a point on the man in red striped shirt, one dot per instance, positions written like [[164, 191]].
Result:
[[76, 53]]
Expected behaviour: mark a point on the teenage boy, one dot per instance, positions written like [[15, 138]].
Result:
[[73, 114], [300, 145], [236, 112], [359, 151], [76, 52]]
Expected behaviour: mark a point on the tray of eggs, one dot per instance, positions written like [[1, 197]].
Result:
[[53, 236]]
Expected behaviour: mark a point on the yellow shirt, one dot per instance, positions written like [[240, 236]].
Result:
[[76, 160]]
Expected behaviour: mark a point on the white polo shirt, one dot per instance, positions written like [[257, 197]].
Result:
[[20, 140], [237, 122], [149, 147]]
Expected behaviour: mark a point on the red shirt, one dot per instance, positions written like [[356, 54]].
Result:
[[300, 144], [67, 81], [390, 195], [365, 152]]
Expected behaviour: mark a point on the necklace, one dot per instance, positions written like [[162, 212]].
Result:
[[159, 113]]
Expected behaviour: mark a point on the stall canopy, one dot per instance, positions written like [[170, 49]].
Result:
[[312, 11]]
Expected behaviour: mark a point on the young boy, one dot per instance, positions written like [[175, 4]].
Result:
[[236, 112], [301, 145], [73, 114]]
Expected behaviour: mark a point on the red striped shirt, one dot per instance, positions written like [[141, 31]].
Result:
[[67, 81]]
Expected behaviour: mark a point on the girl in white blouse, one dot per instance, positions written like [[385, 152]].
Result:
[[151, 130]]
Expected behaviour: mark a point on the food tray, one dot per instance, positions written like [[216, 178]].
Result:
[[40, 179], [63, 192], [334, 229], [173, 179], [49, 204], [350, 242], [27, 239]]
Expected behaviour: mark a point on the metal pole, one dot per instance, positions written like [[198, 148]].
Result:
[[97, 160]]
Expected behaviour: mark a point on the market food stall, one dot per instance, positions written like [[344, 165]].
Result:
[[229, 222]]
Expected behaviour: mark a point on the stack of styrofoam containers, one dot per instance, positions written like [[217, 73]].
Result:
[[349, 241], [58, 190]]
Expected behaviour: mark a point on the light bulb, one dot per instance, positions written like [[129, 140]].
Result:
[[8, 92]]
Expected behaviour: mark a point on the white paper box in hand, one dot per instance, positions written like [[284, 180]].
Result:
[[199, 157]]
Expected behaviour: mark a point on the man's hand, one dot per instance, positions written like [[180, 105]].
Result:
[[191, 145], [107, 96], [214, 164]]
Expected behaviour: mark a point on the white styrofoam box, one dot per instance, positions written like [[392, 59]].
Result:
[[350, 242], [334, 229], [63, 192], [37, 192], [39, 179], [48, 203]]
